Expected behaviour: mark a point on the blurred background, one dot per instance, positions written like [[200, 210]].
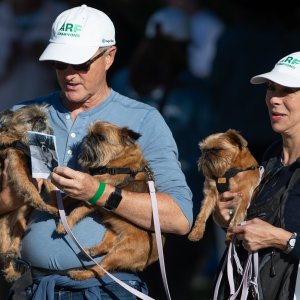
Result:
[[192, 60]]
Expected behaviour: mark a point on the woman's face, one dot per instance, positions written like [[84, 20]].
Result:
[[284, 108]]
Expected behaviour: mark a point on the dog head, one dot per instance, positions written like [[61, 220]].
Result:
[[107, 144], [27, 118], [222, 151]]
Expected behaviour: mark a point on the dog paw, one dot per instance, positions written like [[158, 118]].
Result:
[[52, 210], [85, 274], [60, 229], [195, 236], [76, 274], [11, 276], [228, 238], [91, 252], [11, 255]]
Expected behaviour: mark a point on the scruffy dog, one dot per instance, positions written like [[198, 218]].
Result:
[[109, 149], [227, 164], [14, 146]]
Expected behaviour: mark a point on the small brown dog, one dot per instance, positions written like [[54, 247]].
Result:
[[14, 147], [110, 153], [227, 164]]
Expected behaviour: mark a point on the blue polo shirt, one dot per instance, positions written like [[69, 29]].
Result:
[[41, 246]]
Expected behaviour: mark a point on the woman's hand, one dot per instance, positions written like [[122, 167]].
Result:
[[257, 234], [225, 207]]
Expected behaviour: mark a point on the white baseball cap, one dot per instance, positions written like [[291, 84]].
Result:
[[77, 34], [173, 22], [286, 72]]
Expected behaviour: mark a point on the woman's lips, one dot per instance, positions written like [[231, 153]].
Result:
[[275, 116]]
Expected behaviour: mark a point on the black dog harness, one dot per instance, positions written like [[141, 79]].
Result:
[[223, 182], [116, 171], [16, 145], [111, 171]]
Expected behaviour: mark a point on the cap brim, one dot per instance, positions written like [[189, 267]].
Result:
[[70, 54], [279, 78]]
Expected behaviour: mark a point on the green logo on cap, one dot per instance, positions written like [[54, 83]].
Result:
[[289, 61], [69, 29]]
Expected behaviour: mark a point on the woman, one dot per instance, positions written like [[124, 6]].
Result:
[[273, 218]]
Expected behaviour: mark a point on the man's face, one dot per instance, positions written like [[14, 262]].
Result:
[[86, 86]]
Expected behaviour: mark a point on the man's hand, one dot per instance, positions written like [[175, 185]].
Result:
[[75, 184]]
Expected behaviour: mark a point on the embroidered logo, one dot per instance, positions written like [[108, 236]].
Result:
[[104, 41], [289, 61], [69, 29]]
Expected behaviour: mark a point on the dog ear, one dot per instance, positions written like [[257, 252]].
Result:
[[44, 107], [236, 138], [130, 135], [5, 117]]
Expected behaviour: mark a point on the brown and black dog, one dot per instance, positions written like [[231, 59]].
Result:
[[110, 154], [227, 164], [14, 147]]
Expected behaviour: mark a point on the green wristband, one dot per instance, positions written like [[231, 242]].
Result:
[[98, 194]]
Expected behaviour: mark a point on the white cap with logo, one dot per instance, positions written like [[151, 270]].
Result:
[[77, 33], [286, 72]]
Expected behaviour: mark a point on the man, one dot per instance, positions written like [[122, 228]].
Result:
[[82, 49]]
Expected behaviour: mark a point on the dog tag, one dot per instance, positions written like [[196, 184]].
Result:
[[222, 180]]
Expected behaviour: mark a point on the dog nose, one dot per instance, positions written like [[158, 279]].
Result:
[[40, 125]]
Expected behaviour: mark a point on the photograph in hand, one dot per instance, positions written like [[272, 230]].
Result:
[[43, 154]]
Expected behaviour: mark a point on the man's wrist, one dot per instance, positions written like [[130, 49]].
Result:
[[113, 199], [100, 191]]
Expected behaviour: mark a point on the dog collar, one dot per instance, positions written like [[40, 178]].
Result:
[[115, 171], [17, 145], [223, 182], [111, 171]]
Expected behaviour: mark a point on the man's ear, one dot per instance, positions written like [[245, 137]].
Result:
[[110, 57]]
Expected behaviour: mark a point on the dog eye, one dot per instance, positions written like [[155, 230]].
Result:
[[214, 150], [217, 149], [101, 137]]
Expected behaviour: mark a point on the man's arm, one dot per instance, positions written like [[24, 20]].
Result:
[[135, 207]]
